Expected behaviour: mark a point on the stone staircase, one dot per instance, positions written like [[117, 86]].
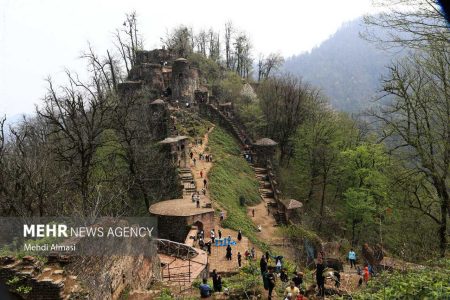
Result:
[[186, 178], [265, 188], [238, 132], [267, 194]]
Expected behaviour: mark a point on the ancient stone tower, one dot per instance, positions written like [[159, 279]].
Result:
[[159, 119], [185, 80]]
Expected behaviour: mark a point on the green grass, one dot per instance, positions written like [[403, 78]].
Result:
[[230, 178], [191, 125]]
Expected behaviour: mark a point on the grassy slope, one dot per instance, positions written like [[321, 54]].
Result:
[[230, 178]]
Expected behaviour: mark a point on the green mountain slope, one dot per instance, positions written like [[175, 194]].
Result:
[[347, 68]]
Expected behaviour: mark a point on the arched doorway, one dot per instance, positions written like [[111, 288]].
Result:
[[199, 225]]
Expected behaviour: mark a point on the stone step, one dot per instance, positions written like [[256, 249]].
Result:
[[269, 200]]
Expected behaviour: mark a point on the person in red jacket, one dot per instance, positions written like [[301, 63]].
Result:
[[366, 274]]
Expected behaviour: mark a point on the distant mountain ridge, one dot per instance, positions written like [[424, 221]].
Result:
[[347, 68]]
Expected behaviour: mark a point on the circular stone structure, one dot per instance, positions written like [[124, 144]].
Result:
[[176, 218]]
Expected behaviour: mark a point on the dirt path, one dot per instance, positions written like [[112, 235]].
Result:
[[217, 258]]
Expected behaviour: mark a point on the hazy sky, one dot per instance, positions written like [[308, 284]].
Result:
[[39, 38]]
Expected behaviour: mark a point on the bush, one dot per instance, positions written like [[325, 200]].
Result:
[[428, 283]]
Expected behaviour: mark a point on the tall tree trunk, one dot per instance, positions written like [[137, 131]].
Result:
[[322, 200], [441, 188]]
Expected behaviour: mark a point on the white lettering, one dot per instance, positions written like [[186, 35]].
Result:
[[28, 230]]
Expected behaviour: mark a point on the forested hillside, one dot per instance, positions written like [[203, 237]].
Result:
[[346, 67], [316, 183]]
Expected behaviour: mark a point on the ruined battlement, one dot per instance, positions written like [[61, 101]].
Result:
[[156, 56]]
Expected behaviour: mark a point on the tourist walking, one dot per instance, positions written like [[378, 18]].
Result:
[[205, 289], [337, 278], [366, 274], [263, 265], [218, 285], [229, 254], [201, 174], [220, 232], [194, 160], [320, 279], [214, 275], [284, 276], [204, 183], [267, 256], [213, 235], [352, 258], [239, 236], [208, 247], [298, 279], [253, 212], [222, 216], [239, 257], [278, 265], [271, 281]]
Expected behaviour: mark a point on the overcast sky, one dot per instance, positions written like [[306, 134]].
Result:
[[39, 38]]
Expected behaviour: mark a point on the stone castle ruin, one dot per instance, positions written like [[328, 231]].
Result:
[[162, 74]]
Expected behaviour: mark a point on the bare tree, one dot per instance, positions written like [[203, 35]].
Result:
[[266, 65], [417, 123], [180, 41], [406, 23], [201, 40], [77, 117], [285, 102], [106, 68], [128, 41], [214, 45], [229, 31], [242, 51]]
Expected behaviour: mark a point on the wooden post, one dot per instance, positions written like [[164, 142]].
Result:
[[168, 270]]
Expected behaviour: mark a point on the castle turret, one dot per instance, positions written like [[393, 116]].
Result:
[[185, 80]]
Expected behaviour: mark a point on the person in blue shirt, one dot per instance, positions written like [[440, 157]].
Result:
[[352, 258], [205, 289]]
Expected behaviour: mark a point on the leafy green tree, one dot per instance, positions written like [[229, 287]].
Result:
[[364, 169]]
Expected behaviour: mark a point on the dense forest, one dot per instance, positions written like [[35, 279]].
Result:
[[383, 179]]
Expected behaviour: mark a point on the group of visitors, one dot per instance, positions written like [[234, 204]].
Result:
[[365, 274], [205, 157], [250, 254], [206, 290], [271, 274], [205, 246]]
